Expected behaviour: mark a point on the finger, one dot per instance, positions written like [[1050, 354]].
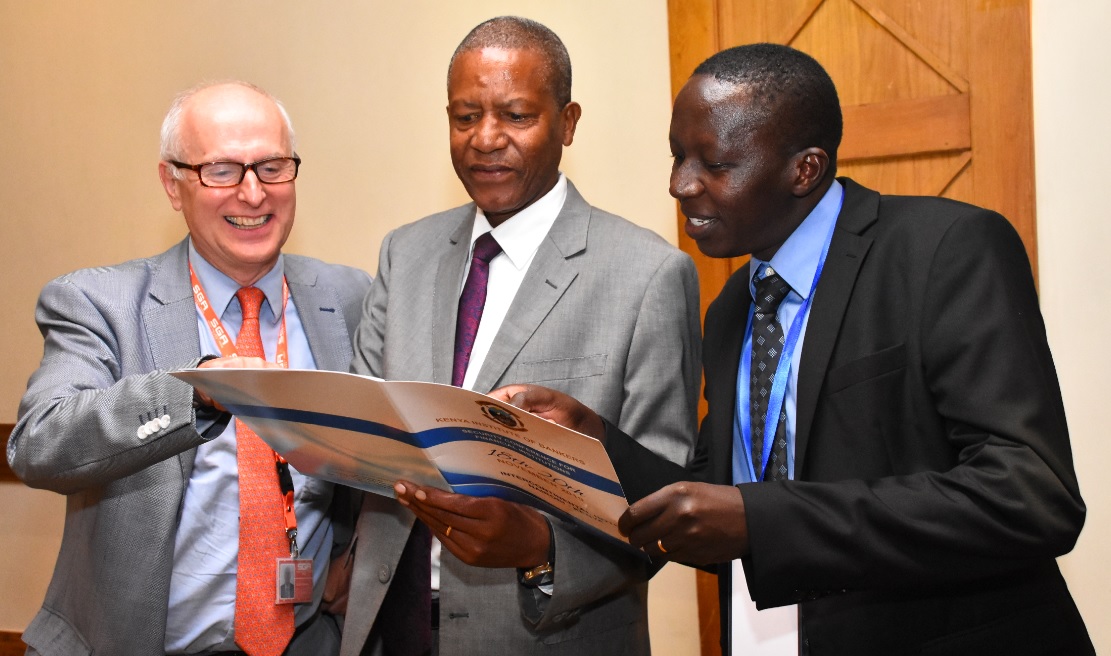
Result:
[[403, 492], [439, 522], [531, 399], [443, 507], [441, 530], [644, 510], [410, 494], [462, 506], [504, 394], [646, 537], [658, 552], [205, 400]]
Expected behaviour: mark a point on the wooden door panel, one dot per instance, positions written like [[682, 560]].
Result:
[[941, 174], [906, 127]]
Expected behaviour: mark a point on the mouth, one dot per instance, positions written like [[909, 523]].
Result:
[[490, 171], [699, 221], [249, 222]]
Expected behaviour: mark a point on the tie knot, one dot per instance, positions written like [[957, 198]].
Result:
[[250, 301], [770, 291], [486, 247]]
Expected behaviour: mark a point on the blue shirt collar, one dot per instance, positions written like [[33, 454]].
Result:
[[797, 259], [220, 289]]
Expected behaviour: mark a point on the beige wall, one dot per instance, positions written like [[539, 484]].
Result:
[[83, 87], [1072, 131]]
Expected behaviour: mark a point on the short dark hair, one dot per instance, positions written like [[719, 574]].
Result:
[[789, 85], [516, 33]]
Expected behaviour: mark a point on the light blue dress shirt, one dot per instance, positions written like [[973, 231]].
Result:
[[202, 587], [795, 262]]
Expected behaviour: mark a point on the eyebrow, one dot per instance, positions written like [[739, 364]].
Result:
[[228, 158]]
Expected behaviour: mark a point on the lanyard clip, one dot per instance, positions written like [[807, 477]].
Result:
[[285, 482], [294, 550]]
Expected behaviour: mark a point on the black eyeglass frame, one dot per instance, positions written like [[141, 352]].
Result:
[[196, 168]]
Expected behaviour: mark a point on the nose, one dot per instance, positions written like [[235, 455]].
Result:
[[489, 135], [250, 190], [684, 183]]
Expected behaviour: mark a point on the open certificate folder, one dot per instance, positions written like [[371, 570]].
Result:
[[369, 433]]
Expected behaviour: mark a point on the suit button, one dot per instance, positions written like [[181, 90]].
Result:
[[142, 432], [164, 421], [384, 573]]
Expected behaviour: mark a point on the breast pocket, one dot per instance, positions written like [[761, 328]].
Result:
[[857, 430], [869, 367], [540, 371]]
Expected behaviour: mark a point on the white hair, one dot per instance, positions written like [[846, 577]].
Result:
[[171, 125]]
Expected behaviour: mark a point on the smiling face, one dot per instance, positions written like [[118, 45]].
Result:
[[240, 230], [507, 129], [736, 183]]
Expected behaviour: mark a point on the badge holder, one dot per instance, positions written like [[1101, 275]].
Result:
[[293, 575]]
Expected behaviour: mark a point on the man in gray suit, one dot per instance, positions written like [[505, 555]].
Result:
[[149, 559], [577, 299]]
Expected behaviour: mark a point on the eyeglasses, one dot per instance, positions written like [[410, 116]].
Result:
[[274, 170]]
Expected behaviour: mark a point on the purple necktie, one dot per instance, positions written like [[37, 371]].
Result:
[[471, 302], [405, 623]]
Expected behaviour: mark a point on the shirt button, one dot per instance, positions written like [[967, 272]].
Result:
[[384, 574]]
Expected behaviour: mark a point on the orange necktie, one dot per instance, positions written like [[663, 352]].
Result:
[[262, 627]]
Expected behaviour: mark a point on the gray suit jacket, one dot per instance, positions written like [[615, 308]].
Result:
[[110, 334], [608, 312]]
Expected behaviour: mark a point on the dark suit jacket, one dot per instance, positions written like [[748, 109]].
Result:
[[935, 483]]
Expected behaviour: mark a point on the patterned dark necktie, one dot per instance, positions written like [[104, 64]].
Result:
[[471, 302], [767, 345]]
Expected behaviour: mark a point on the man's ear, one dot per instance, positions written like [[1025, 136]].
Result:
[[811, 166], [169, 183], [570, 115]]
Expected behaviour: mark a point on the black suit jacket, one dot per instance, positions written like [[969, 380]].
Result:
[[934, 478]]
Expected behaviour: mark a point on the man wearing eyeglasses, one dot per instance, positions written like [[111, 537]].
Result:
[[176, 528]]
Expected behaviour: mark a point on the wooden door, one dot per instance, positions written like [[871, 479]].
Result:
[[936, 96]]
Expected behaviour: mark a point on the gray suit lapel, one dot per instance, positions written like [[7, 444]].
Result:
[[847, 251], [445, 301], [548, 277], [170, 321], [321, 316]]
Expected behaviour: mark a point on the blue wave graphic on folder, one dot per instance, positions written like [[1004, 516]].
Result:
[[428, 438]]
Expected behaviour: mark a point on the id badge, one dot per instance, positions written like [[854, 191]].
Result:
[[294, 581]]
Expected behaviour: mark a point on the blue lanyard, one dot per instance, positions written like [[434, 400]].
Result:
[[779, 382]]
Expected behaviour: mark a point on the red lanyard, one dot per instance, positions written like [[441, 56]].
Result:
[[223, 341], [227, 349]]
